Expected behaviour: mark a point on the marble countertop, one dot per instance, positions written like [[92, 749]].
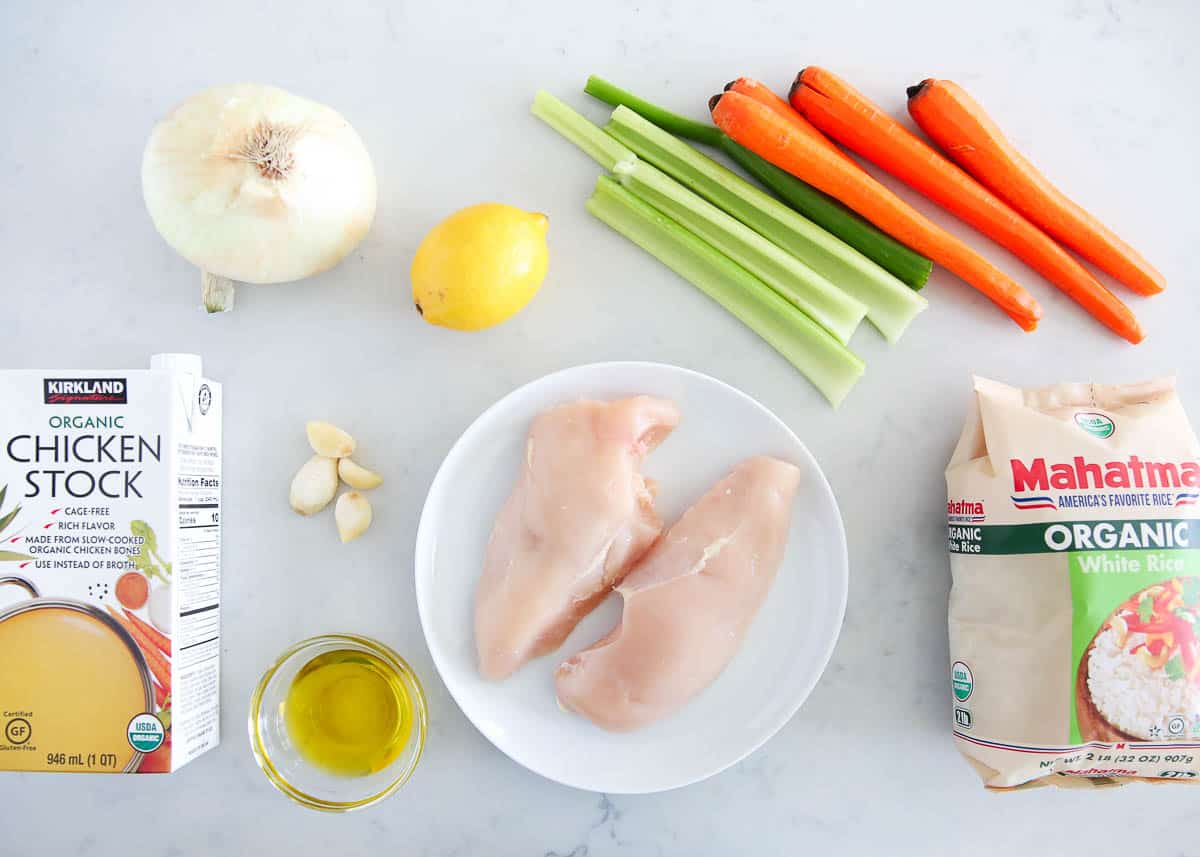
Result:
[[1101, 92]]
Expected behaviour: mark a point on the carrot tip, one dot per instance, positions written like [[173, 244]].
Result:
[[796, 84], [914, 91], [712, 102], [728, 86]]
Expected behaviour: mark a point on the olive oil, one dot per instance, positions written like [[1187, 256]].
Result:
[[348, 713]]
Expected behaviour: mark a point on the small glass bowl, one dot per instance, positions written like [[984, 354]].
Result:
[[294, 775]]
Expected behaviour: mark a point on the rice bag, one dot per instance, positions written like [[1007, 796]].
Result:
[[1073, 530]]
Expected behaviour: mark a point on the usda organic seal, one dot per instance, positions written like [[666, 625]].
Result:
[[961, 681], [1097, 425], [145, 733]]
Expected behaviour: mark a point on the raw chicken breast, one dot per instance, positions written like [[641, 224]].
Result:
[[688, 603], [577, 520]]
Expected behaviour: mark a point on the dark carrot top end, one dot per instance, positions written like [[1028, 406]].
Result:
[[712, 102], [796, 84]]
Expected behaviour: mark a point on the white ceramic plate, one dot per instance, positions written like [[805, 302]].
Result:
[[782, 657]]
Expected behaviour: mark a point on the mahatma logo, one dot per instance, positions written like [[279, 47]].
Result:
[[1097, 425], [1080, 474], [1033, 481], [85, 391], [959, 511]]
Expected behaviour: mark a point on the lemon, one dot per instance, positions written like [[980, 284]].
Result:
[[480, 266]]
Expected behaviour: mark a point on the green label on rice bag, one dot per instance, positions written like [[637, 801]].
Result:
[[1135, 645], [1109, 537]]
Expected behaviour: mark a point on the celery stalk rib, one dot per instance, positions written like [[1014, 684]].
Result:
[[828, 364], [603, 148], [909, 267], [820, 300], [891, 305], [829, 306]]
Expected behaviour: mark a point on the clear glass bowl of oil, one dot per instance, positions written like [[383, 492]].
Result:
[[338, 722]]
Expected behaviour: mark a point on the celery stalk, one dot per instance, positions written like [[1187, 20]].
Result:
[[823, 302], [603, 148], [830, 307], [891, 305], [909, 267], [828, 364]]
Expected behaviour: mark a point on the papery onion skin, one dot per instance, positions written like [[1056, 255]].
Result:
[[255, 184]]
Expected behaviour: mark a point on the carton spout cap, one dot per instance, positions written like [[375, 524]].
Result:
[[189, 364]]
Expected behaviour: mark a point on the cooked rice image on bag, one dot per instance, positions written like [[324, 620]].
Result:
[[1073, 531]]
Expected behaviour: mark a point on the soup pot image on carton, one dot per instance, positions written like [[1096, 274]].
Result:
[[110, 544]]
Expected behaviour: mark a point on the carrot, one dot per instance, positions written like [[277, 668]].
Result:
[[161, 640], [159, 666], [837, 109], [954, 121], [160, 695], [763, 94], [132, 589], [760, 129]]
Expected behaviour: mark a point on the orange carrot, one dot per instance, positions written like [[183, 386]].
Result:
[[954, 121], [132, 589], [760, 129], [763, 94], [837, 109], [160, 695], [159, 666], [161, 640]]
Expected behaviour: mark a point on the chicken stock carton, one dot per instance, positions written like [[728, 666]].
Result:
[[110, 541]]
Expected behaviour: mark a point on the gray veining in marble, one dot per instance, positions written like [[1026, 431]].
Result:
[[1102, 93]]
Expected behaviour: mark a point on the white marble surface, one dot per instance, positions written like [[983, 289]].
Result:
[[1101, 93]]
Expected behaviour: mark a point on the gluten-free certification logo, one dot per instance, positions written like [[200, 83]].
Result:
[[18, 731]]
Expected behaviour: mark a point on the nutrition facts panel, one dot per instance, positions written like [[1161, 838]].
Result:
[[198, 576], [199, 564], [199, 545]]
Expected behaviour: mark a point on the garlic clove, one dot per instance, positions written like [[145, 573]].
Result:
[[357, 476], [353, 515], [328, 440], [314, 485]]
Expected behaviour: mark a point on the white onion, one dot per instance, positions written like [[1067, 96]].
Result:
[[253, 184]]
